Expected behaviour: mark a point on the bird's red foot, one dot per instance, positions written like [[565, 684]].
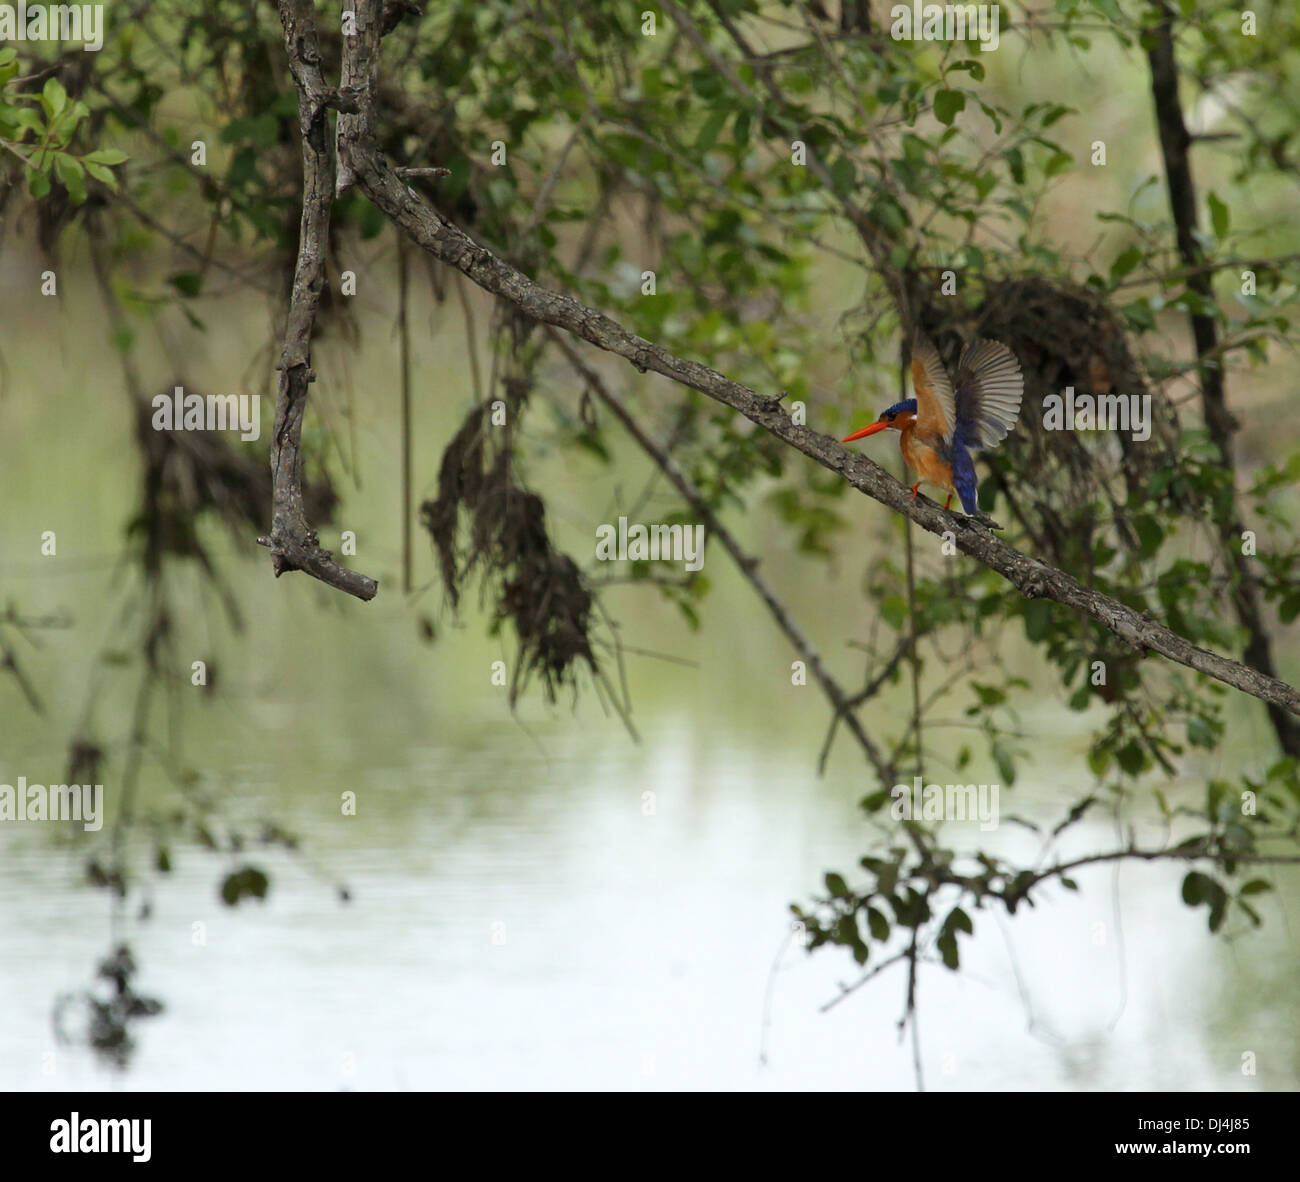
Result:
[[948, 501], [915, 487]]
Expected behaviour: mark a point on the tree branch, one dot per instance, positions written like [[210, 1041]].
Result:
[[1219, 422], [293, 543]]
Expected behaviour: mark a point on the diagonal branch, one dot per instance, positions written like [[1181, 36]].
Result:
[[293, 543]]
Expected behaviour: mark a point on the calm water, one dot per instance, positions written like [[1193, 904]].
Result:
[[516, 919]]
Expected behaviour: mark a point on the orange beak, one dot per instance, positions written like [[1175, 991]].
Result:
[[869, 429]]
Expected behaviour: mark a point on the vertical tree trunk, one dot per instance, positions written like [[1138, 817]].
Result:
[[1174, 142]]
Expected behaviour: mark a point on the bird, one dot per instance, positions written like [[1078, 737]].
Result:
[[950, 419]]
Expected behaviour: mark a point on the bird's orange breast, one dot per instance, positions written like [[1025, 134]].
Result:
[[926, 460]]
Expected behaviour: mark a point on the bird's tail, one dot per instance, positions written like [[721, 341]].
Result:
[[963, 479]]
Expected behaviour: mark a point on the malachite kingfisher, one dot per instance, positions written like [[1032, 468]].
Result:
[[948, 420]]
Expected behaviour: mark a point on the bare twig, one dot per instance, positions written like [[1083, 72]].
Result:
[[293, 543], [404, 347]]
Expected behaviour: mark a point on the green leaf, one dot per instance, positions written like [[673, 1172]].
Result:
[[1219, 217], [1199, 733], [706, 83], [740, 129], [1006, 766], [875, 802], [1016, 162], [959, 921], [1194, 887], [973, 67], [25, 117], [1139, 314], [188, 283], [1125, 262], [105, 156], [1131, 757], [1058, 163], [948, 104], [878, 924], [893, 609], [248, 881], [989, 695], [1218, 906], [53, 97], [836, 886], [100, 173], [709, 132], [1201, 888], [843, 176], [1149, 534], [69, 171], [1038, 619], [372, 221]]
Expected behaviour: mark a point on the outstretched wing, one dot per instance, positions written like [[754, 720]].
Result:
[[989, 389], [936, 411]]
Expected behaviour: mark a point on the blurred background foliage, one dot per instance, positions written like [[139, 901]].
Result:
[[781, 190]]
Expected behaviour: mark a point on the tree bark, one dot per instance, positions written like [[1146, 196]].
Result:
[[293, 543], [1219, 422]]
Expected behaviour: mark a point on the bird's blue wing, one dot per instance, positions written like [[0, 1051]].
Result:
[[989, 389]]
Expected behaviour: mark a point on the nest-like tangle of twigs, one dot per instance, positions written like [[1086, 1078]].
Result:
[[537, 588]]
